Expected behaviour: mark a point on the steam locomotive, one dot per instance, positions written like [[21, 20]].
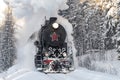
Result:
[[53, 52]]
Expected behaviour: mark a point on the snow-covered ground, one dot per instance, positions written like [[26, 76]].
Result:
[[79, 74]]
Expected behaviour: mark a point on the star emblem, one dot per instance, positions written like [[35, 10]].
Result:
[[54, 37]]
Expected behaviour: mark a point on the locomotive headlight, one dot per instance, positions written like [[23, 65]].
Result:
[[46, 54], [55, 25], [64, 54]]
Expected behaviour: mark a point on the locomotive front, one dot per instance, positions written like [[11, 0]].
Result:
[[52, 47], [54, 36]]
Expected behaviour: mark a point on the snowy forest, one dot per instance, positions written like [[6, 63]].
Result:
[[96, 27]]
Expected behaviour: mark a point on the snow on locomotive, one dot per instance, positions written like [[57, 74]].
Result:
[[52, 50]]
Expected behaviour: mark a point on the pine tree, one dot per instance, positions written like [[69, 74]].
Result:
[[7, 47]]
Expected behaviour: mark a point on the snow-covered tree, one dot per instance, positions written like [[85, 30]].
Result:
[[7, 41], [87, 22]]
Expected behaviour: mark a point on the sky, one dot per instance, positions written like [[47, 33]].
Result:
[[2, 8]]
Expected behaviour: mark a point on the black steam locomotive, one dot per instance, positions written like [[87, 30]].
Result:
[[52, 50]]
